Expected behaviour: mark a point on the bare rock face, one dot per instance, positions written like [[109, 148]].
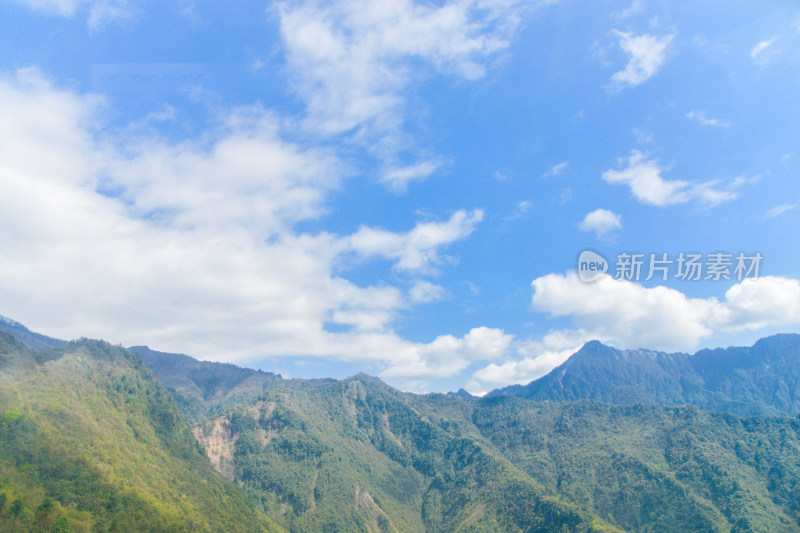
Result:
[[218, 440]]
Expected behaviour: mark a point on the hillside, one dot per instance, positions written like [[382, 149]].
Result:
[[353, 455], [204, 388], [33, 340], [357, 455], [91, 442], [763, 379]]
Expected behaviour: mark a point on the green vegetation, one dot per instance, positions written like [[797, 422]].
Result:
[[204, 389], [655, 468], [91, 442], [355, 456]]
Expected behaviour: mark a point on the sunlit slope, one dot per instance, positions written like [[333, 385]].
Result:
[[91, 442]]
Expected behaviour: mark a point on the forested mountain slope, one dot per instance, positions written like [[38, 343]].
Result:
[[763, 379], [358, 455], [91, 442]]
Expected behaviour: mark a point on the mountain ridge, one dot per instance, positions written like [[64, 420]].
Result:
[[358, 455], [763, 379]]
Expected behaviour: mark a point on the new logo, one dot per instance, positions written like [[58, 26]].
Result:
[[591, 266]]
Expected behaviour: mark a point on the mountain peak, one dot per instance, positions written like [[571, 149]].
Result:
[[594, 348], [738, 380]]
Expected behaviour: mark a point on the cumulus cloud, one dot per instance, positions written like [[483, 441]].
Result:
[[633, 316], [538, 358], [448, 355], [646, 54], [196, 247], [601, 221], [643, 176], [757, 303], [630, 316]]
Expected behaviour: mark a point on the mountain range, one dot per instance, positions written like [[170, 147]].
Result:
[[763, 379], [99, 438]]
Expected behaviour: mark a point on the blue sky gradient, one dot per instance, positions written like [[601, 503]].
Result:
[[400, 188]]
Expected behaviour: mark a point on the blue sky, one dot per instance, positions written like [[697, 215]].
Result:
[[400, 188]]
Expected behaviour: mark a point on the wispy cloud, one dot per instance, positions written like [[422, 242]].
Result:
[[601, 222], [634, 9], [398, 178], [646, 54], [351, 62], [522, 209], [99, 11], [704, 120], [416, 250], [643, 176], [555, 170], [764, 52], [778, 210]]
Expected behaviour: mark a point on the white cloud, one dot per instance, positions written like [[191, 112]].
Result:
[[778, 210], [538, 358], [352, 61], [624, 311], [522, 209], [710, 196], [634, 9], [424, 292], [740, 181], [399, 178], [349, 59], [630, 316], [758, 303], [764, 52], [643, 176], [646, 56], [198, 251], [633, 316], [448, 355], [416, 250], [704, 120], [601, 221], [555, 170], [100, 11]]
